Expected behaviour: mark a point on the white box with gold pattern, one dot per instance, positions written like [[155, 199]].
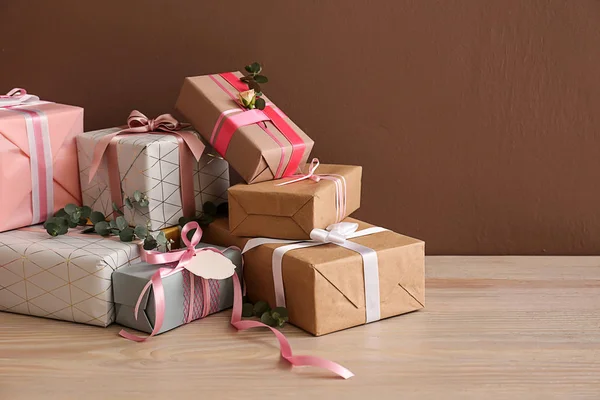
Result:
[[66, 277]]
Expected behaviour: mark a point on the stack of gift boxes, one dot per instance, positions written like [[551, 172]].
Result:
[[290, 219]]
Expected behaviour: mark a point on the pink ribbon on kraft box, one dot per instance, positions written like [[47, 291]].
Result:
[[190, 149], [231, 120], [40, 142], [183, 258]]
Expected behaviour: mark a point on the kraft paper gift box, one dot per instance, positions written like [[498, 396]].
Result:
[[129, 282], [293, 210], [259, 145], [324, 286], [38, 159], [65, 277], [150, 163]]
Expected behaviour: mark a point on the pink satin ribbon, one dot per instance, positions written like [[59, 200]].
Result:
[[182, 257], [190, 148], [14, 94], [338, 180], [228, 124]]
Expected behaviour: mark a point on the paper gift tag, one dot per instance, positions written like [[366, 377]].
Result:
[[210, 265]]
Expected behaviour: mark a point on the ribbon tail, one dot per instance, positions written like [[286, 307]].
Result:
[[286, 349], [195, 145], [99, 150]]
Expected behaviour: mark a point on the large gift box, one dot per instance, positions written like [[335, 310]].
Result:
[[184, 295], [38, 158], [343, 278], [291, 208], [66, 277], [150, 163], [260, 145]]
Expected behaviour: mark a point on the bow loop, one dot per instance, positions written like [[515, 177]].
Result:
[[163, 123], [16, 97], [343, 228], [335, 233]]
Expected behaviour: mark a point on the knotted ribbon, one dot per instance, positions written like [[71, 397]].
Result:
[[190, 148], [232, 119], [338, 234], [17, 101], [182, 257], [338, 180]]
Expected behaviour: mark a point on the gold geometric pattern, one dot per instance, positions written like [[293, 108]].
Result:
[[150, 163], [65, 277]]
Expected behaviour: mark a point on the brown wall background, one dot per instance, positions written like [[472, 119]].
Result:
[[476, 121]]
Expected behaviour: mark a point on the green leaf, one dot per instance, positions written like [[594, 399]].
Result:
[[209, 208], [126, 234], [247, 310], [85, 212], [281, 322], [116, 209], [260, 307], [144, 202], [121, 222], [150, 243], [161, 238], [246, 78], [75, 216], [102, 228], [72, 224], [260, 103], [281, 311], [223, 210], [82, 222], [91, 229], [61, 213], [115, 231], [51, 228], [267, 319], [190, 234], [248, 68], [137, 195], [128, 203], [205, 220], [255, 68], [141, 231], [113, 224], [261, 79], [183, 220], [97, 216], [70, 208], [254, 85]]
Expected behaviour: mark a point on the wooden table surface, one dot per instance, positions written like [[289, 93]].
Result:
[[493, 327]]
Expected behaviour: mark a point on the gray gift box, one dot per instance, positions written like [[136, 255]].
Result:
[[128, 283]]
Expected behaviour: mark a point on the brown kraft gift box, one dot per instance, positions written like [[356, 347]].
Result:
[[291, 211], [255, 151], [324, 285]]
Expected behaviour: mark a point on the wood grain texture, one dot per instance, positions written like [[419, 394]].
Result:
[[479, 118], [493, 328]]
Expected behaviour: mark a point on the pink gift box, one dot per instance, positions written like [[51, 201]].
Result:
[[38, 160]]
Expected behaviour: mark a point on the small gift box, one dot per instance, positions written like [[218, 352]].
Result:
[[187, 297], [38, 158], [66, 277], [291, 208], [260, 145], [158, 158], [351, 274]]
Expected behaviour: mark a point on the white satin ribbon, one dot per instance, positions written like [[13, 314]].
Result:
[[337, 234]]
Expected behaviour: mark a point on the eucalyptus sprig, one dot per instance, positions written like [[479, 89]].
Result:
[[210, 211], [254, 80], [276, 317]]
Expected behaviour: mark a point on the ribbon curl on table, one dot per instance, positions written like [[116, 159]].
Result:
[[338, 234], [183, 257], [190, 148], [338, 180]]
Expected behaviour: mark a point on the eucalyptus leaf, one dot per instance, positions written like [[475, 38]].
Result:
[[83, 221], [247, 310], [75, 216], [141, 231], [223, 210], [183, 220], [72, 224], [248, 68], [126, 234], [260, 103], [70, 208], [209, 208], [115, 231], [267, 319], [128, 203], [261, 79], [85, 212], [121, 222], [161, 238], [91, 229], [150, 243], [51, 228], [116, 209], [255, 68], [97, 216], [254, 85], [281, 311], [260, 308], [113, 224], [61, 213], [144, 202], [281, 322], [63, 229], [137, 195], [102, 228], [205, 220]]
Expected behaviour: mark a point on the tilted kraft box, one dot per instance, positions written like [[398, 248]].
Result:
[[292, 211], [270, 149], [324, 285]]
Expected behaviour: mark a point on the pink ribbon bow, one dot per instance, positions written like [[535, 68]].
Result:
[[17, 96], [340, 186], [183, 257]]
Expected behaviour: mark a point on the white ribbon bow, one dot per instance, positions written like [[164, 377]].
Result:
[[337, 234], [17, 97]]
